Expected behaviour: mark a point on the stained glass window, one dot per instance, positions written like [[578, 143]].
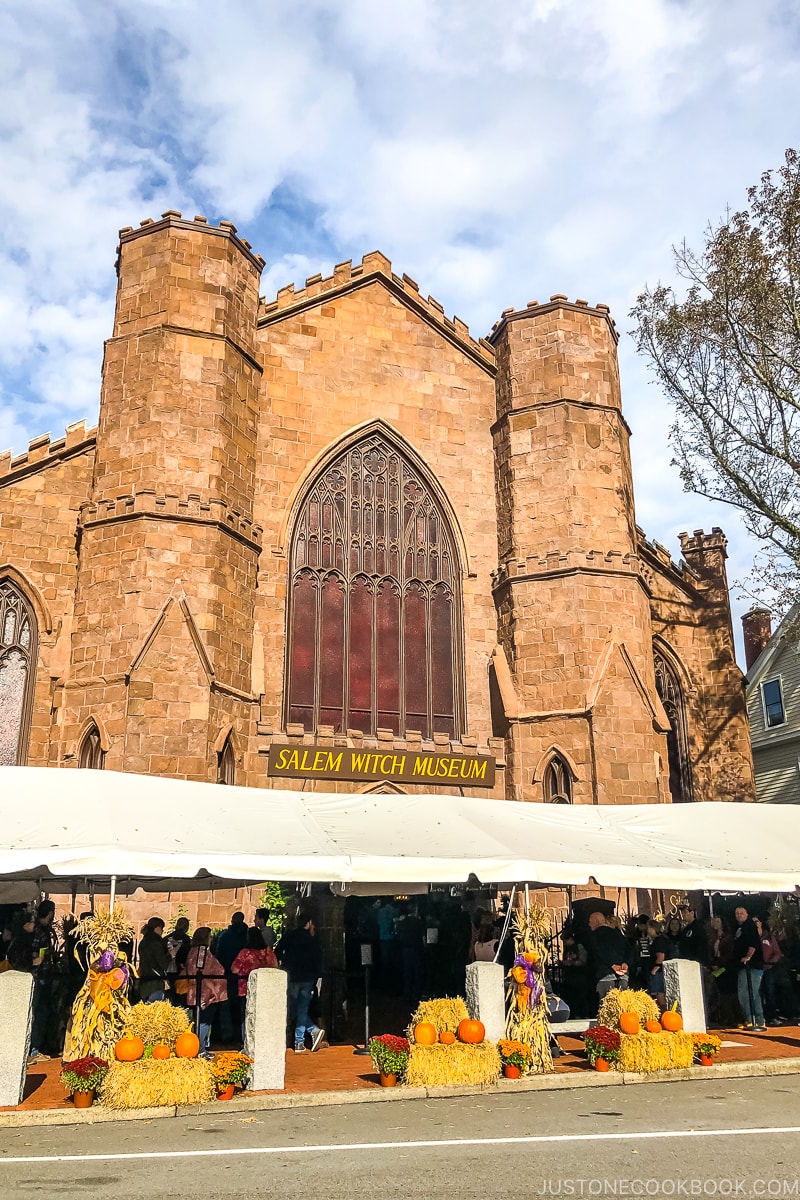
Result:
[[17, 668], [374, 618], [670, 692]]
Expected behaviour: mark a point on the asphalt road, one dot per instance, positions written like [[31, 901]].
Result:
[[737, 1137]]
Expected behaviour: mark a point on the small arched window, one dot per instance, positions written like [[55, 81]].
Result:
[[374, 638], [18, 649], [91, 754], [557, 782], [226, 764], [671, 695]]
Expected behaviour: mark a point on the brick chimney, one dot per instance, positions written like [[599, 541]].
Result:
[[757, 626]]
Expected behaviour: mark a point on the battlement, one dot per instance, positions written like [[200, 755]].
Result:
[[346, 276], [42, 451], [192, 508], [701, 542], [559, 561], [173, 219], [557, 301]]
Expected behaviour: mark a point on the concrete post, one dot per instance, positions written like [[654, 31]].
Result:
[[683, 981], [485, 997], [16, 993], [265, 1028]]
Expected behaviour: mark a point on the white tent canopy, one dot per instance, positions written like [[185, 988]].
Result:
[[59, 826]]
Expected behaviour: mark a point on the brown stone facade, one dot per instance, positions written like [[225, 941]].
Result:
[[155, 550]]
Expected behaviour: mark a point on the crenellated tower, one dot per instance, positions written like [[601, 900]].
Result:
[[168, 550], [573, 613]]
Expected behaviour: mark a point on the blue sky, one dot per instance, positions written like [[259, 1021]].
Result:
[[495, 153]]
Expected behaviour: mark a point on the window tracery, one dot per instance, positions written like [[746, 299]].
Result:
[[18, 644], [91, 755], [374, 618], [670, 692], [226, 764], [557, 782]]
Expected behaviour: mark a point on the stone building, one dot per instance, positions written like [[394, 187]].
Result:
[[331, 540]]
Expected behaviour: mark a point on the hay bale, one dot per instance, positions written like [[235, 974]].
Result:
[[157, 1022], [452, 1066], [150, 1083], [655, 1051], [616, 1002], [445, 1014]]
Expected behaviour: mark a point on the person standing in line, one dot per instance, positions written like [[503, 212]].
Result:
[[659, 952], [609, 955], [300, 955], [201, 967], [773, 956], [153, 962], [177, 944], [254, 956], [261, 923], [228, 945], [747, 953]]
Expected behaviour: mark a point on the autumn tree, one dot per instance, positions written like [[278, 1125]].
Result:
[[727, 352]]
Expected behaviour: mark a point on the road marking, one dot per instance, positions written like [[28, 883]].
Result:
[[531, 1140]]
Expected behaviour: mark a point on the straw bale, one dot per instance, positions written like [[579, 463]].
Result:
[[157, 1022], [149, 1083], [617, 1001], [446, 1014], [655, 1051], [451, 1066]]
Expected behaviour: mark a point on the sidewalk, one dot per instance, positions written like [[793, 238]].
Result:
[[335, 1074]]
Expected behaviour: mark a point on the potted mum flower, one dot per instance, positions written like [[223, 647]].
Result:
[[82, 1077], [515, 1057], [706, 1046], [390, 1056], [602, 1046], [230, 1070]]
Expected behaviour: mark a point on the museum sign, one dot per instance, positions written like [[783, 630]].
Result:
[[399, 766]]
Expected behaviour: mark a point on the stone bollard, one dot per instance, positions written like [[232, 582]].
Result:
[[486, 997], [683, 981], [16, 992], [265, 1028]]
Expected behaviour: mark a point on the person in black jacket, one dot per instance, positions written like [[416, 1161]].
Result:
[[300, 955], [609, 954], [747, 954], [693, 940]]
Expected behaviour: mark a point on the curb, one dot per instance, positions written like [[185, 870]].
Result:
[[273, 1101]]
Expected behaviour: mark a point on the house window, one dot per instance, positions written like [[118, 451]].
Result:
[[774, 712], [18, 637], [226, 764], [374, 636], [670, 693], [91, 752], [557, 782]]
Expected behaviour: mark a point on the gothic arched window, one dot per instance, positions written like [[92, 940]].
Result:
[[226, 764], [374, 637], [17, 673], [557, 782], [91, 753], [670, 692]]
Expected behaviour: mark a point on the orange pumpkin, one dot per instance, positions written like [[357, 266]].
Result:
[[129, 1049], [425, 1033], [672, 1021], [447, 1037], [654, 1027], [187, 1045], [629, 1023], [471, 1032], [116, 978], [161, 1050]]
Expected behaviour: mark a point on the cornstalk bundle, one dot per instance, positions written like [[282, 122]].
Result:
[[100, 1010], [527, 1019]]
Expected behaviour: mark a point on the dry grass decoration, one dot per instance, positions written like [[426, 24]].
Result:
[[150, 1082], [100, 1010], [458, 1064], [527, 1019], [644, 1052]]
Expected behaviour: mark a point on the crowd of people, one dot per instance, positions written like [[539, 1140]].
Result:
[[206, 972], [745, 966]]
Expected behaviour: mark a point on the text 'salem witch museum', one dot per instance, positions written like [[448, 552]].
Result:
[[331, 541]]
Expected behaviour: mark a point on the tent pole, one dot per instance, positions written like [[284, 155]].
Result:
[[113, 893]]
